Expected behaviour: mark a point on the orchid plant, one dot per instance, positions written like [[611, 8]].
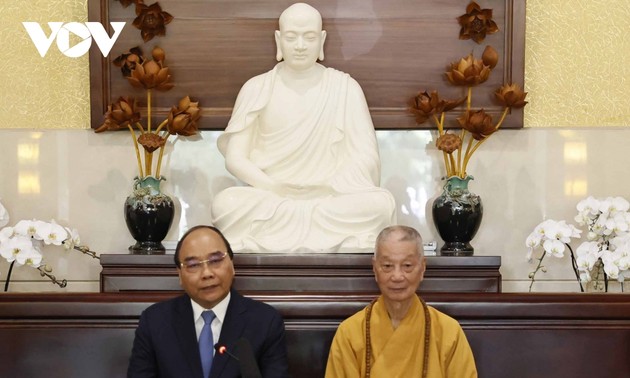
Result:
[[604, 254], [22, 244]]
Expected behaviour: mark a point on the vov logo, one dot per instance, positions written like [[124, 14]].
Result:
[[61, 32]]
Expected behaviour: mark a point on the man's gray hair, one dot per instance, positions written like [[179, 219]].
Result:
[[404, 233]]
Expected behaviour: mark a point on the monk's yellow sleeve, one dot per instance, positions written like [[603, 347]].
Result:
[[461, 363], [343, 360]]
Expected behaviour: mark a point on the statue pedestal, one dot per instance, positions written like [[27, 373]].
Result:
[[301, 274]]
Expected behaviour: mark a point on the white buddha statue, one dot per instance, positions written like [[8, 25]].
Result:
[[302, 138]]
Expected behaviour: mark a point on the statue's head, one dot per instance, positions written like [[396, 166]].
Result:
[[300, 40]]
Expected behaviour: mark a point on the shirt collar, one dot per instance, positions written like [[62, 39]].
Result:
[[219, 309]]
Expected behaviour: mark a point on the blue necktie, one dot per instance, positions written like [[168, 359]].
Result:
[[206, 343]]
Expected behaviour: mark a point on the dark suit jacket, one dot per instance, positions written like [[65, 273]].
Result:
[[166, 345]]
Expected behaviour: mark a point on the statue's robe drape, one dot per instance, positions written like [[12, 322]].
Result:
[[332, 145]]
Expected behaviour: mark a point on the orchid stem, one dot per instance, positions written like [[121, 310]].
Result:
[[538, 267], [8, 280], [575, 268], [42, 271]]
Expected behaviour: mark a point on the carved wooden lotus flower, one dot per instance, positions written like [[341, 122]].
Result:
[[151, 142], [182, 119], [476, 23], [424, 105], [478, 123], [127, 61], [468, 72], [121, 114], [152, 73], [151, 20], [448, 143], [511, 96]]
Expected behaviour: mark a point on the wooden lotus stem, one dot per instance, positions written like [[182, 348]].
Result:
[[135, 145], [148, 110], [159, 163]]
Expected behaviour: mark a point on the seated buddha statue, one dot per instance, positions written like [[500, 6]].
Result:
[[302, 140]]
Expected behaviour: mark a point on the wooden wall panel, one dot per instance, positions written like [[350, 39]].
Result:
[[394, 48], [512, 335]]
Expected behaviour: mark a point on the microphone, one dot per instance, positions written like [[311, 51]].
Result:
[[222, 349], [244, 356]]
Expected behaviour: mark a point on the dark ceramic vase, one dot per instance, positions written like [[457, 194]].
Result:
[[457, 215], [149, 214]]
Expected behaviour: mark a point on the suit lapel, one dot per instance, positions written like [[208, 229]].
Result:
[[186, 334], [231, 331]]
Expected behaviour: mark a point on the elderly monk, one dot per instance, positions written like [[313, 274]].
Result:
[[301, 136], [398, 335]]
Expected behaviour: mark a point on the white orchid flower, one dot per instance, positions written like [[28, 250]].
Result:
[[588, 205], [623, 275], [620, 204], [575, 232], [529, 255], [605, 205], [5, 234], [4, 216], [586, 263], [612, 269], [51, 233], [619, 224], [565, 232], [26, 227], [14, 246], [600, 227], [554, 247], [591, 236], [588, 248], [621, 242], [73, 238], [533, 240], [29, 256], [548, 228]]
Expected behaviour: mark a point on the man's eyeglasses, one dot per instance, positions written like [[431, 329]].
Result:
[[195, 266]]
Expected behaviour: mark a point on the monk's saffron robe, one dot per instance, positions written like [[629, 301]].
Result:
[[399, 353]]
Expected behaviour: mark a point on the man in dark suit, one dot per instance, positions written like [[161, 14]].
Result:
[[175, 338]]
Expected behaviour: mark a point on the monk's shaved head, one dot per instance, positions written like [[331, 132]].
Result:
[[400, 233]]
